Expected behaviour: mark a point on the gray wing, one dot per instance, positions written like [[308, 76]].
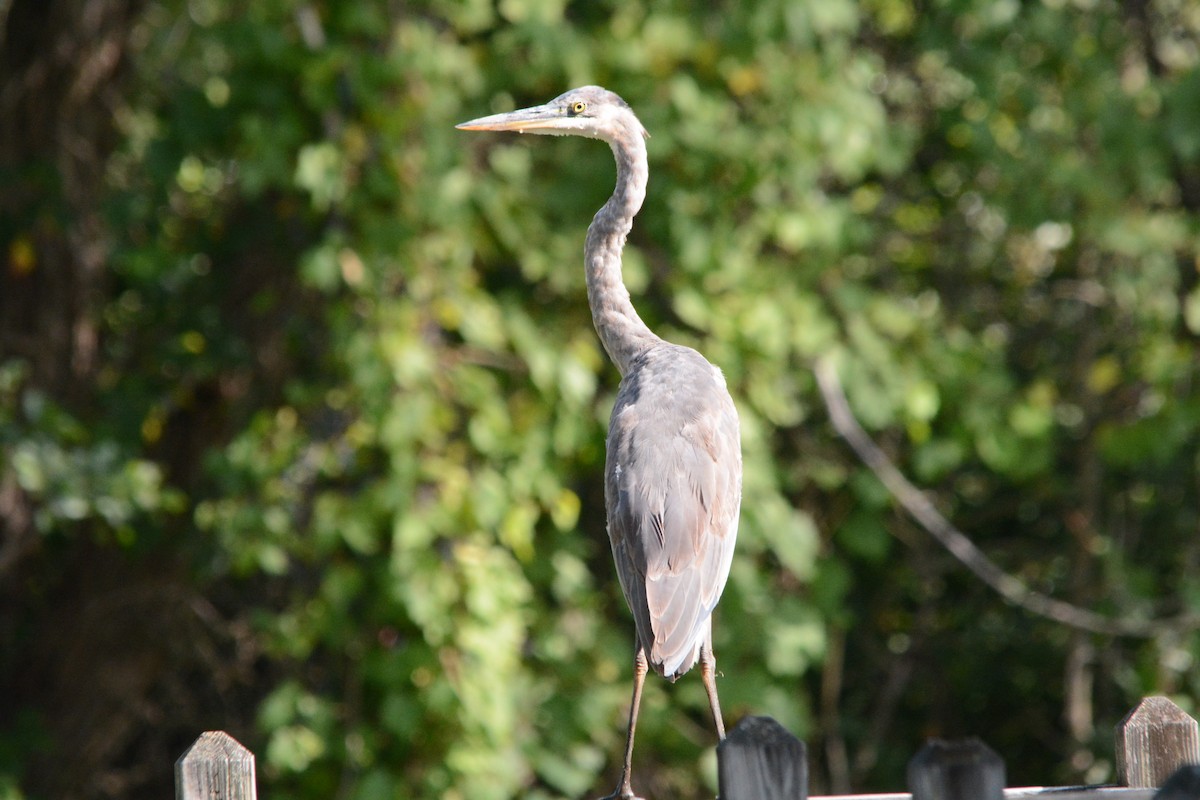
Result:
[[673, 490]]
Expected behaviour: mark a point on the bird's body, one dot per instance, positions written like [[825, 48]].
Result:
[[673, 472], [672, 489]]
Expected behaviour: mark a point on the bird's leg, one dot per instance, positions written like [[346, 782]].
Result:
[[708, 670], [624, 788]]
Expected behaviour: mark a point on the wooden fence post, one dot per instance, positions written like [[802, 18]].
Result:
[[215, 767], [1184, 784], [1156, 739], [963, 769], [761, 760]]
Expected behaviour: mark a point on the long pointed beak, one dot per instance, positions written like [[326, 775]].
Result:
[[525, 119]]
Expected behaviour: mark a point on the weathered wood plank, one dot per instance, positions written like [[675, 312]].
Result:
[[963, 769], [1027, 793], [761, 760], [1153, 741], [1184, 784], [215, 767]]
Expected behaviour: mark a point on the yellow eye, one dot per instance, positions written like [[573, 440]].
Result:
[[578, 107]]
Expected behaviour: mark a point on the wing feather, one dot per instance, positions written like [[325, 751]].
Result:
[[673, 491]]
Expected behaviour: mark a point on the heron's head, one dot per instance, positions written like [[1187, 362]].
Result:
[[587, 111]]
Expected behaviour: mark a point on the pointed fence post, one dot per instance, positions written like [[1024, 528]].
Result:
[[215, 767], [761, 760], [963, 769], [1155, 740]]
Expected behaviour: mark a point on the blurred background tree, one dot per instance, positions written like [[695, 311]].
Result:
[[302, 414]]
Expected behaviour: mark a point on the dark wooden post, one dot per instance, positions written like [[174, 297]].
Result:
[[761, 760], [1155, 740], [963, 769], [215, 767], [1184, 784]]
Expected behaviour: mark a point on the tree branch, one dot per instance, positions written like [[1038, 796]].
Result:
[[960, 546]]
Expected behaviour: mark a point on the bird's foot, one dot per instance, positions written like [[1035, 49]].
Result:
[[623, 792]]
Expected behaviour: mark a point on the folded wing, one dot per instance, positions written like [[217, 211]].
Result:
[[673, 489]]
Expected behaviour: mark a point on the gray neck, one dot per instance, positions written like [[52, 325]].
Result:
[[621, 330]]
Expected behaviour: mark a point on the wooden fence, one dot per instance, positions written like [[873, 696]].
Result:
[[1158, 758]]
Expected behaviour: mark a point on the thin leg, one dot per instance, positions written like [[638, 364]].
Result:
[[624, 789], [708, 670]]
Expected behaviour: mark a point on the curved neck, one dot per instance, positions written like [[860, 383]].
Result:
[[621, 330]]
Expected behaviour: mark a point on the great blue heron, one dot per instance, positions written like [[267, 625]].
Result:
[[673, 473]]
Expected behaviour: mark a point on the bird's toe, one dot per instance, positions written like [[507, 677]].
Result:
[[622, 793]]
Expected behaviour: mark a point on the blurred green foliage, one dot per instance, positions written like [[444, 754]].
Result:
[[986, 211]]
